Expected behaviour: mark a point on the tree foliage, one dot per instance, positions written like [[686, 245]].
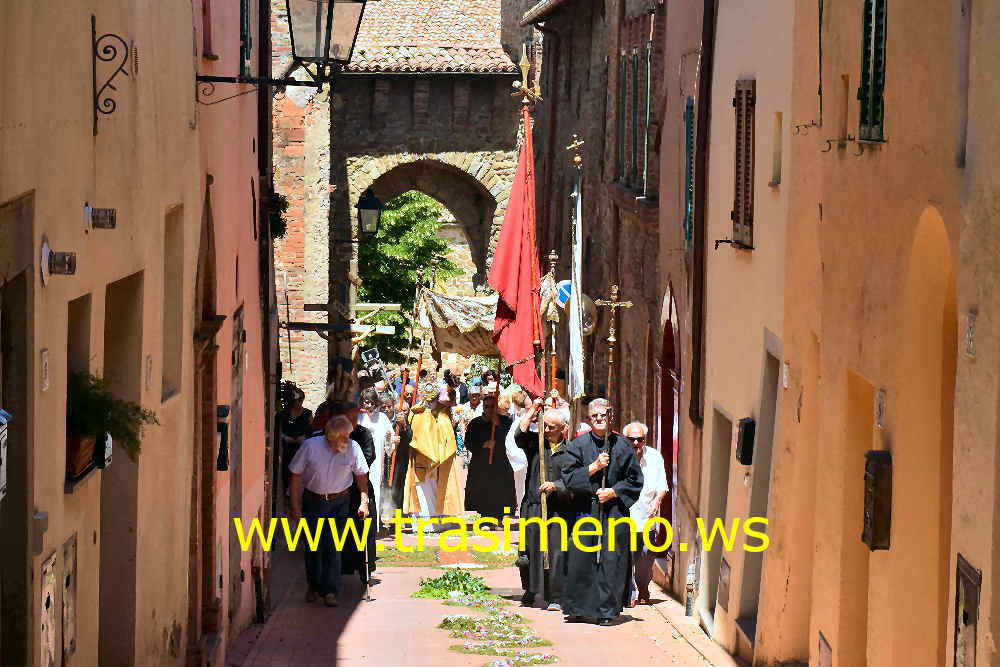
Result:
[[388, 264]]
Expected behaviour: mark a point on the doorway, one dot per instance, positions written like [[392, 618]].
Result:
[[236, 575], [753, 562], [120, 480], [669, 407], [718, 496]]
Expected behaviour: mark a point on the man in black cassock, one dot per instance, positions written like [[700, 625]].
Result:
[[489, 487], [598, 589], [549, 583]]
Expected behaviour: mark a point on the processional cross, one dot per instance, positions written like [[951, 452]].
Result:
[[614, 304]]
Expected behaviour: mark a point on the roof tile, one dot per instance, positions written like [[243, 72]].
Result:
[[430, 36]]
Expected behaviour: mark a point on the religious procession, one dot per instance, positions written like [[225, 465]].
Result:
[[499, 333]]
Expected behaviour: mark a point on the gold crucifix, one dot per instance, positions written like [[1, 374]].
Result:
[[575, 147], [522, 88], [614, 304]]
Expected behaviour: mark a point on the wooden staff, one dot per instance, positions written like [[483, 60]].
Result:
[[395, 448], [496, 415], [416, 378]]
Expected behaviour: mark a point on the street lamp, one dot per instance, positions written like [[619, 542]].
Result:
[[322, 32], [369, 214]]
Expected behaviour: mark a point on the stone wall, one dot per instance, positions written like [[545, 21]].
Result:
[[452, 136]]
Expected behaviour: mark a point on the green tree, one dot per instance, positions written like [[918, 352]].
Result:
[[388, 264]]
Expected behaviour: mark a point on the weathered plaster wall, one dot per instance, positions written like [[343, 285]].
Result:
[[871, 231], [229, 153]]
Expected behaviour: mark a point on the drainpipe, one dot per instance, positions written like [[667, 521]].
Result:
[[551, 131], [700, 208]]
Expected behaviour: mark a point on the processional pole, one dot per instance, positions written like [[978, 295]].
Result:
[[528, 96], [406, 369], [614, 304]]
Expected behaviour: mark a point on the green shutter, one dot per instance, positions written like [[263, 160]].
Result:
[[871, 92], [634, 175], [246, 43], [622, 102], [688, 172]]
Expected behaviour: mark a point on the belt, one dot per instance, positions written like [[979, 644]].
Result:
[[329, 496]]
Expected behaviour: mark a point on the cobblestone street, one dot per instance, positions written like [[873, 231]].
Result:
[[396, 629]]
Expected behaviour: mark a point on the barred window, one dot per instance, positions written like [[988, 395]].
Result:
[[246, 41], [688, 171], [742, 214], [872, 90]]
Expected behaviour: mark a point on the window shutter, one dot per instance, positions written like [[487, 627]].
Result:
[[872, 88], [246, 43], [634, 175], [622, 106], [742, 214], [688, 171]]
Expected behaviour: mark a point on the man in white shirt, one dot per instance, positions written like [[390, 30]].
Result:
[[327, 465], [476, 401], [654, 488]]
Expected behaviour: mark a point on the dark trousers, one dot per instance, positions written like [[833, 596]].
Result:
[[642, 559], [323, 565]]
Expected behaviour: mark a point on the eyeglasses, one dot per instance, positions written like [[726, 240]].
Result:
[[637, 438]]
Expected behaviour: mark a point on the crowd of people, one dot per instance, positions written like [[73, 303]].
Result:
[[403, 446]]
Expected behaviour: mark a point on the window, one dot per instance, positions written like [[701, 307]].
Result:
[[173, 297], [872, 89], [206, 30], [246, 42], [688, 171], [253, 206], [742, 214], [776, 155]]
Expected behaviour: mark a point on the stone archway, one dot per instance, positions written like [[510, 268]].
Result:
[[453, 184]]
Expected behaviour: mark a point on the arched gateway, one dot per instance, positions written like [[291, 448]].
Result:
[[424, 105]]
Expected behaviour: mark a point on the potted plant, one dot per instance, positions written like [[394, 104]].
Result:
[[91, 412]]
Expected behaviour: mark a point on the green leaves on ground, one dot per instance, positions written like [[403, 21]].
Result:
[[453, 580]]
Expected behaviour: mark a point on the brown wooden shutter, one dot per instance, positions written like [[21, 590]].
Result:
[[742, 214]]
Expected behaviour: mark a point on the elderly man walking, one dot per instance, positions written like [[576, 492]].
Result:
[[549, 583], [327, 465], [654, 488]]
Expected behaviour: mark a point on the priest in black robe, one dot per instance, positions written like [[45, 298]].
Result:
[[598, 589], [489, 486], [550, 583]]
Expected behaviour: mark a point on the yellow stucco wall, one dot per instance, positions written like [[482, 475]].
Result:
[[143, 163], [870, 305], [744, 289]]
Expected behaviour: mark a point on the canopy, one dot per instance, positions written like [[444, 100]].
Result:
[[459, 324]]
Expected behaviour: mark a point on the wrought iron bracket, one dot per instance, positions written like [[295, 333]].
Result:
[[802, 129], [842, 143], [206, 82], [735, 244], [108, 48]]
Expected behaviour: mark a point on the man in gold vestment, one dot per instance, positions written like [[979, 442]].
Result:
[[432, 483]]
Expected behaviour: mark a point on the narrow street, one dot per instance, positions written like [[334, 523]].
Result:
[[396, 629]]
